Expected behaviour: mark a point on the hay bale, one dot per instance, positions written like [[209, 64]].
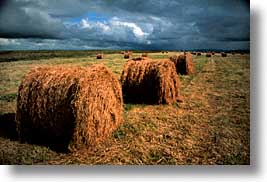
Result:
[[144, 54], [122, 52], [99, 56], [68, 108], [150, 82], [139, 59], [208, 54], [213, 53], [199, 54], [224, 54], [183, 63], [126, 56]]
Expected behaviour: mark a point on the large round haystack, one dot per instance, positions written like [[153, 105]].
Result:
[[99, 56], [150, 82], [183, 63], [224, 54], [68, 108], [126, 55], [139, 59], [144, 54], [199, 54], [208, 54]]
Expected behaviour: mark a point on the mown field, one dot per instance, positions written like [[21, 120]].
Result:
[[211, 125]]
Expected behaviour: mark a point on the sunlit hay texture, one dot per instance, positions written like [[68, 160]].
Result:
[[199, 54], [150, 82], [126, 55], [144, 55], [183, 63], [68, 108], [224, 54], [208, 54], [99, 56]]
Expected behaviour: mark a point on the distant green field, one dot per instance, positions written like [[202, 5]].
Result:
[[211, 126]]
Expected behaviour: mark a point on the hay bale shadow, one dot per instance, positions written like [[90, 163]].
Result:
[[8, 126]]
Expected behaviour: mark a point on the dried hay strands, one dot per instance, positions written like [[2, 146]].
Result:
[[150, 82], [68, 108]]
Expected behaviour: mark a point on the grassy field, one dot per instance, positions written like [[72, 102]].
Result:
[[211, 125]]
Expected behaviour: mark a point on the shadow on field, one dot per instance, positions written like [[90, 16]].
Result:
[[8, 126]]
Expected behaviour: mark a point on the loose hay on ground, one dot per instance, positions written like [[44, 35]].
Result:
[[68, 108], [150, 81]]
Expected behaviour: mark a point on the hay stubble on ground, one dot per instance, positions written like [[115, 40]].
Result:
[[211, 126]]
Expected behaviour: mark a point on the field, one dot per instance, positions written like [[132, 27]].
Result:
[[210, 126]]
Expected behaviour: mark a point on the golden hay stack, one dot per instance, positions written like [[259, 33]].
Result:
[[144, 54], [139, 59], [150, 82], [224, 54], [68, 108], [126, 56], [99, 56], [208, 54], [183, 63]]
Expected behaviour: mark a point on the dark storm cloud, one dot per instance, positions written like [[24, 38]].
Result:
[[151, 24]]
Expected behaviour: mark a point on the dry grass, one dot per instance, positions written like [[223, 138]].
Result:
[[211, 126]]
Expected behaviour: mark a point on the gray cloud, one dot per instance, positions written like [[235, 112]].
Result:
[[151, 24]]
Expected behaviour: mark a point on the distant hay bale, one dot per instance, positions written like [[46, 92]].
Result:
[[199, 54], [122, 52], [183, 63], [126, 55], [208, 54], [150, 82], [68, 108], [144, 54], [213, 53], [139, 59], [99, 56], [194, 53], [224, 54], [162, 52]]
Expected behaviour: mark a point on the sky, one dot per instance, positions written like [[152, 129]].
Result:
[[124, 24]]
